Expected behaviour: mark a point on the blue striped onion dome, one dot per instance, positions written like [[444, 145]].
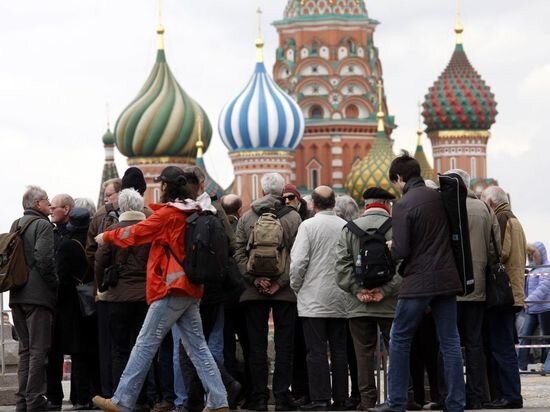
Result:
[[162, 120], [261, 117]]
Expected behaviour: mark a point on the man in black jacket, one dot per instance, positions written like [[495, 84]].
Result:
[[421, 238]]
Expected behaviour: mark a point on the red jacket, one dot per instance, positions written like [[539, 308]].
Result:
[[164, 231]]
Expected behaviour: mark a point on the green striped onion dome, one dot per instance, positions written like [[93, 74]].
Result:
[[372, 171], [162, 120]]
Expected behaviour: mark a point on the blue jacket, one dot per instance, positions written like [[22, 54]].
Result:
[[538, 284]]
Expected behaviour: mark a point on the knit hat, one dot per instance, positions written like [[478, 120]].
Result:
[[377, 193], [133, 178], [79, 219], [290, 188]]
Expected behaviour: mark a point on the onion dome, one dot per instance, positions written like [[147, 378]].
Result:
[[262, 116], [108, 137], [109, 167], [211, 187], [312, 8], [162, 119], [373, 170], [459, 99]]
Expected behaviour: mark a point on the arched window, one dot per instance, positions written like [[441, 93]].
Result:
[[352, 112], [314, 179], [156, 195], [254, 187], [316, 112], [473, 167], [453, 162]]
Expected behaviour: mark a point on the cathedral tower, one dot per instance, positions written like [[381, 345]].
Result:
[[327, 61]]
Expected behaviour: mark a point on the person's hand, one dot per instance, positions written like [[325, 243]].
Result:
[[389, 243], [99, 239], [262, 284], [362, 295], [273, 288], [375, 295]]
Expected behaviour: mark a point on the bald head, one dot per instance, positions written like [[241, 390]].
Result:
[[231, 204], [323, 198], [60, 207]]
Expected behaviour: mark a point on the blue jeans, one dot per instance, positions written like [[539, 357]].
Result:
[[162, 314], [407, 316], [179, 384], [215, 340], [528, 327]]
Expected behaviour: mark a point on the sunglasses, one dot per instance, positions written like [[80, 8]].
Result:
[[289, 197]]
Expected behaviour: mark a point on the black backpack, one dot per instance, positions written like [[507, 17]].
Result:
[[206, 249], [374, 265]]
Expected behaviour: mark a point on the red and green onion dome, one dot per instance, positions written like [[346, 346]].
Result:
[[459, 99], [299, 9], [162, 120], [372, 171]]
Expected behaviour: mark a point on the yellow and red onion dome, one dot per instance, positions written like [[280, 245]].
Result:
[[162, 120], [459, 99]]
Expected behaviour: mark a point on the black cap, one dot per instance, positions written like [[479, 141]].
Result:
[[79, 219], [172, 174], [377, 193], [133, 178]]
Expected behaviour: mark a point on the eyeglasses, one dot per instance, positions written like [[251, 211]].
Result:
[[289, 197], [43, 198]]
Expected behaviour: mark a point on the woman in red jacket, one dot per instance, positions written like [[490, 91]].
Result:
[[173, 299]]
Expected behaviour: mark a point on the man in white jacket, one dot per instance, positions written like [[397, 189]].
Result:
[[321, 303]]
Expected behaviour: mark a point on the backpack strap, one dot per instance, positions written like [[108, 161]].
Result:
[[356, 230], [23, 228], [382, 230], [283, 211]]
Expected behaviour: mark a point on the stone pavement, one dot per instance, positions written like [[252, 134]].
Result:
[[535, 390]]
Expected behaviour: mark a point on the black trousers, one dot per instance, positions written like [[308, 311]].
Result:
[[84, 377], [425, 359], [470, 317], [364, 331], [195, 391], [300, 381], [352, 364], [125, 324], [503, 370], [234, 329], [54, 370], [257, 320], [318, 332], [104, 347]]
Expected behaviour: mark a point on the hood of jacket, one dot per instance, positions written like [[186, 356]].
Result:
[[542, 251], [205, 202], [185, 206], [268, 201]]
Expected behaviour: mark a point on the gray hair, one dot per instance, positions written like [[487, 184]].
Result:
[[431, 184], [130, 199], [33, 194], [86, 203], [65, 200], [272, 184], [346, 207], [464, 175], [496, 194]]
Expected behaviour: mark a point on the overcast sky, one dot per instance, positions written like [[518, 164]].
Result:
[[62, 61]]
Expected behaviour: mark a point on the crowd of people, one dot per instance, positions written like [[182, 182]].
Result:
[[334, 284]]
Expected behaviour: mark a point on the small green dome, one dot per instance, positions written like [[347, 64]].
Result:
[[162, 120], [108, 137], [372, 171]]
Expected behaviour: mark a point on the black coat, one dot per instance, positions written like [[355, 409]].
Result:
[[421, 236], [78, 334]]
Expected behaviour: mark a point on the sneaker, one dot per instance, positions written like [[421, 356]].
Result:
[[105, 404]]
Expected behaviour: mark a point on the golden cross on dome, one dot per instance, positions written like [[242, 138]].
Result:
[[259, 41], [459, 28], [107, 115], [419, 130], [199, 144], [160, 29]]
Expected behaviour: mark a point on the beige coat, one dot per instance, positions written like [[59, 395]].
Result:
[[480, 221]]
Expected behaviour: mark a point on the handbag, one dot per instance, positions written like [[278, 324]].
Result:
[[498, 288], [85, 293]]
